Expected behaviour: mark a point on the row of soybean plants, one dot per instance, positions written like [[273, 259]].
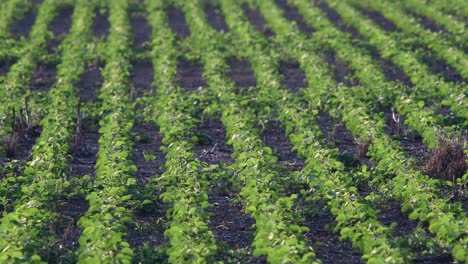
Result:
[[21, 109], [377, 92], [428, 85], [417, 116], [11, 11], [184, 183], [457, 8], [434, 41], [24, 232], [277, 233], [407, 185], [106, 221], [14, 88], [457, 29], [355, 217]]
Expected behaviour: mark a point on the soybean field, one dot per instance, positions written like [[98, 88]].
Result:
[[233, 131]]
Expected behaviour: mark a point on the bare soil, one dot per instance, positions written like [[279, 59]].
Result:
[[241, 73], [439, 66], [23, 149], [60, 26], [4, 69], [292, 14], [43, 78], [22, 27], [91, 82], [428, 23], [342, 72], [216, 18], [293, 76], [101, 24], [148, 227], [211, 146], [410, 143], [84, 152], [393, 72], [142, 79], [390, 212], [335, 18], [177, 22], [232, 228], [190, 75], [141, 32], [68, 231], [258, 21], [380, 20], [338, 136], [147, 155], [274, 136], [325, 242]]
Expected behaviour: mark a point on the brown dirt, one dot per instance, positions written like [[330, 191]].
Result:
[[428, 23], [150, 220], [293, 77], [25, 142], [241, 73], [341, 71], [101, 24], [4, 69], [439, 66], [60, 26], [390, 212], [43, 78], [141, 32], [211, 146], [142, 78], [22, 27], [335, 18], [148, 227], [292, 14], [91, 82], [232, 228], [410, 143], [258, 21], [190, 75], [336, 135], [84, 153], [380, 20], [177, 22], [393, 72], [147, 155], [228, 223], [274, 136], [215, 18], [68, 231], [434, 259], [326, 244]]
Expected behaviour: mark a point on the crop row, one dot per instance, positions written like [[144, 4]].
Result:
[[32, 197], [390, 160], [24, 231]]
